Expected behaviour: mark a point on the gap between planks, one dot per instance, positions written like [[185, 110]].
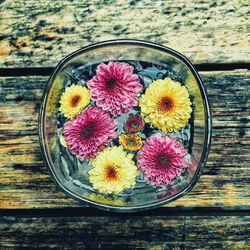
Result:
[[46, 71]]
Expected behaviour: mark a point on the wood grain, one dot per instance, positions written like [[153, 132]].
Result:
[[24, 178], [126, 232], [40, 33]]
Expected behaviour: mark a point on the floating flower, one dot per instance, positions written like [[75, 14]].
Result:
[[134, 124], [74, 100], [130, 142], [113, 171], [162, 159], [115, 88], [89, 132], [166, 105]]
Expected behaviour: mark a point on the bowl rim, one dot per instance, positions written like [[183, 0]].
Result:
[[208, 125]]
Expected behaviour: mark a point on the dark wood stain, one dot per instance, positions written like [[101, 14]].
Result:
[[164, 232]]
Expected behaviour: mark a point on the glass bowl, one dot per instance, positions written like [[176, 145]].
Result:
[[150, 62]]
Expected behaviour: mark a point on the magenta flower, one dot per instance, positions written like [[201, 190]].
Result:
[[89, 133], [134, 124], [162, 159], [115, 88]]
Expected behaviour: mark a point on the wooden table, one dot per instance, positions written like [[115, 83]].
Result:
[[35, 35]]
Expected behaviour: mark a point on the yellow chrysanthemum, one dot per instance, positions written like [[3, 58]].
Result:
[[130, 142], [113, 170], [166, 105], [74, 100]]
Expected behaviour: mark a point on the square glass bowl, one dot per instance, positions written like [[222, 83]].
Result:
[[150, 62]]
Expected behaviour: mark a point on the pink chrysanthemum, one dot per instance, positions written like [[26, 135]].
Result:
[[162, 159], [115, 88], [134, 124], [89, 132]]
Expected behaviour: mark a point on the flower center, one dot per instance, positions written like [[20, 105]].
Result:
[[134, 124], [111, 173], [163, 160], [87, 131], [131, 142], [111, 83], [75, 100], [166, 104]]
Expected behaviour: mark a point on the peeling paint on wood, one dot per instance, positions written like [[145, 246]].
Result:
[[40, 33]]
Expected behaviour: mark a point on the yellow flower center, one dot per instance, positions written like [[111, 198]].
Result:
[[75, 100], [111, 173], [166, 103], [131, 142]]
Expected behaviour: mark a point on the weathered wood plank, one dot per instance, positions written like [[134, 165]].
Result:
[[126, 232], [40, 33], [225, 182]]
